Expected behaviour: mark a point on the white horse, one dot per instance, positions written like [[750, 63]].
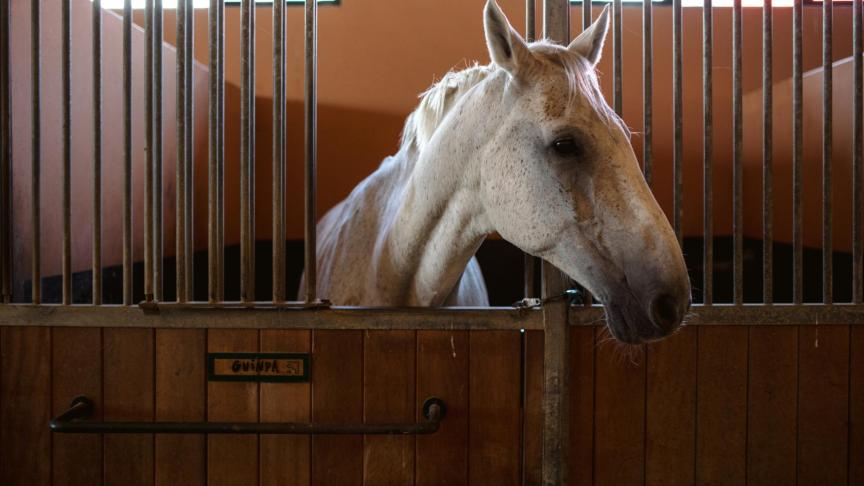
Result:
[[527, 147]]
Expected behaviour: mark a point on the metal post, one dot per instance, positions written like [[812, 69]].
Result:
[[189, 230], [35, 149], [220, 149], [66, 108], [180, 172], [708, 152], [617, 58], [797, 152], [767, 153], [677, 117], [148, 152], [213, 181], [857, 152], [737, 157], [827, 149], [247, 152], [5, 158], [647, 88], [96, 268], [158, 240], [311, 130], [278, 151], [127, 152]]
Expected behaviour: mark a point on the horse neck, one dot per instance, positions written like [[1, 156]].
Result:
[[439, 222]]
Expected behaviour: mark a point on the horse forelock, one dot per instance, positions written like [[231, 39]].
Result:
[[436, 101]]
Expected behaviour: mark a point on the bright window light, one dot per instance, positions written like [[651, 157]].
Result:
[[172, 4]]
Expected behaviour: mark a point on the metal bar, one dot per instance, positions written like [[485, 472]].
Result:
[[213, 246], [148, 152], [617, 58], [96, 268], [647, 89], [311, 149], [66, 157], [247, 154], [530, 20], [708, 152], [35, 149], [180, 172], [827, 149], [265, 315], [857, 155], [587, 17], [127, 152], [797, 153], [189, 230], [767, 152], [5, 157], [74, 419], [278, 151], [529, 263], [158, 240], [220, 166], [677, 117], [737, 158], [556, 338]]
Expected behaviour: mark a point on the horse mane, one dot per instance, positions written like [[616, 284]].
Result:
[[436, 101]]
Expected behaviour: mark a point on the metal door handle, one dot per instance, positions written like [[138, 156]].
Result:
[[74, 420]]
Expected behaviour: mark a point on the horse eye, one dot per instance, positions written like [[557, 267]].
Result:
[[567, 147]]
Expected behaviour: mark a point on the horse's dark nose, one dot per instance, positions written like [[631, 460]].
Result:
[[666, 313]]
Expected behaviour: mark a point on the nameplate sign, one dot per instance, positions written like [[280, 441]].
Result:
[[259, 367]]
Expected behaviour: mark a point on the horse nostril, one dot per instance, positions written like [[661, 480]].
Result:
[[665, 313]]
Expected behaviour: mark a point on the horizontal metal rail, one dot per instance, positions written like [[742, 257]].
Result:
[[74, 421], [293, 316]]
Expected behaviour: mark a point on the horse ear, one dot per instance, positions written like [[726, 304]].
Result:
[[507, 49], [589, 44]]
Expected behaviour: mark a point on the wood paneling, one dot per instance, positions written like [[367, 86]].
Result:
[[180, 396], [856, 407], [823, 388], [232, 460], [77, 370], [25, 406], [773, 400], [619, 414], [285, 459], [533, 413], [494, 424], [128, 395], [337, 397], [442, 371], [582, 354], [721, 411], [389, 396]]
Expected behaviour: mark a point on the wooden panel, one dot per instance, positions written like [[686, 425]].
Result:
[[722, 406], [533, 413], [772, 406], [671, 410], [128, 395], [285, 459], [25, 406], [442, 371], [856, 407], [337, 397], [232, 460], [494, 425], [581, 465], [619, 413], [823, 387], [180, 396], [77, 370], [389, 396]]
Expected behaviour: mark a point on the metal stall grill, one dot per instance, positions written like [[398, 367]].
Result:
[[564, 326]]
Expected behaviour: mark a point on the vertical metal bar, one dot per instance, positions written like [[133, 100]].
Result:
[[36, 148], [708, 152], [158, 243], [5, 158], [556, 337], [529, 263], [857, 155], [827, 149], [586, 15], [677, 117], [617, 58], [220, 151], [148, 152], [767, 152], [180, 172], [66, 108], [530, 21], [97, 153], [278, 151], [647, 88], [737, 167], [311, 130], [797, 153], [127, 152], [247, 156], [213, 248], [189, 230]]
